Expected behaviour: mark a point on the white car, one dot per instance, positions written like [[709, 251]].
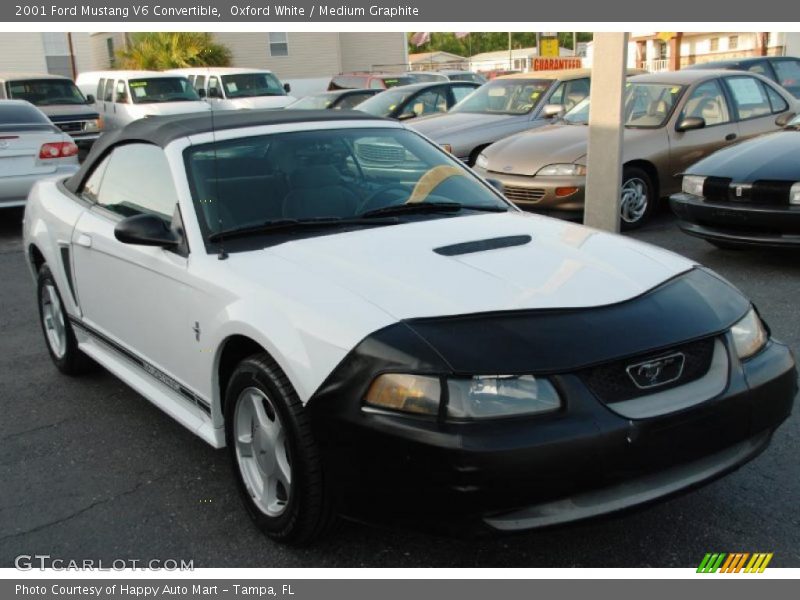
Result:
[[375, 332], [229, 88], [31, 147]]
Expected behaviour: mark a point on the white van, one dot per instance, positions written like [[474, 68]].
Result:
[[227, 88], [124, 96]]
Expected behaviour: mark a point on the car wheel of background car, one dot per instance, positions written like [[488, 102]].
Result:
[[58, 333], [277, 463], [637, 198]]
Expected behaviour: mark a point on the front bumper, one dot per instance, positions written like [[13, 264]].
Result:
[[583, 461], [746, 224], [539, 193]]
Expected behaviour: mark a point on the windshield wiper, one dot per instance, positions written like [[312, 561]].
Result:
[[427, 207], [293, 224]]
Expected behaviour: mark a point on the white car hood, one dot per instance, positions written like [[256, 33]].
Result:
[[174, 108], [265, 102], [395, 268]]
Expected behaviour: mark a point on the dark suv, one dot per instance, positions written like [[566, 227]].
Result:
[[368, 80], [783, 70]]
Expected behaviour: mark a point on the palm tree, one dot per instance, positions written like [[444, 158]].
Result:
[[161, 50]]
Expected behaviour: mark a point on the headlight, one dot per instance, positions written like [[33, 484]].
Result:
[[794, 194], [417, 394], [500, 396], [567, 169], [748, 335], [93, 125], [692, 184], [482, 162]]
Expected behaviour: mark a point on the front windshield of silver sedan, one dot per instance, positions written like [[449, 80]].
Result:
[[329, 177], [505, 97], [647, 105]]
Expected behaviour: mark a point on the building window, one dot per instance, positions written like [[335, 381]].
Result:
[[279, 44], [733, 42], [714, 44], [110, 51]]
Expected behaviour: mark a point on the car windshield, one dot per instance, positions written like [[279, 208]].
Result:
[[427, 77], [383, 104], [21, 114], [162, 89], [331, 175], [647, 105], [505, 96], [247, 85], [319, 101], [46, 92]]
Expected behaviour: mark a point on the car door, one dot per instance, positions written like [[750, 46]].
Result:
[[751, 103], [708, 101], [137, 299]]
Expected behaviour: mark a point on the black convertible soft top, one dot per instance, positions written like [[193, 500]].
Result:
[[164, 129]]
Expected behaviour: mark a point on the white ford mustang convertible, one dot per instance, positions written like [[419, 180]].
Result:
[[374, 332]]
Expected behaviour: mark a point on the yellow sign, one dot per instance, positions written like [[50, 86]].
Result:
[[549, 47], [665, 36]]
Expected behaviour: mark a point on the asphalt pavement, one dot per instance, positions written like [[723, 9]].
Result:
[[91, 470]]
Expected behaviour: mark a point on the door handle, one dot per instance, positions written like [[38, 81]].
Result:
[[84, 240], [730, 137]]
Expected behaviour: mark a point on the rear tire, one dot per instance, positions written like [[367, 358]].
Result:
[[273, 453], [58, 333]]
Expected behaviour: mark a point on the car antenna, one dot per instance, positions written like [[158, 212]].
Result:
[[222, 253]]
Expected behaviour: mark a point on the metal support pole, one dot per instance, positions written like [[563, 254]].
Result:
[[603, 178]]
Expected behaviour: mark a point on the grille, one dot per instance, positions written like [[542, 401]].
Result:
[[716, 189], [719, 189], [523, 194], [71, 126], [384, 153], [612, 383]]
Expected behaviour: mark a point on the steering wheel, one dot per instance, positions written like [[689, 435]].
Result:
[[431, 180], [371, 200]]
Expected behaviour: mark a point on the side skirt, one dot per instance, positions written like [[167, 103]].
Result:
[[183, 405]]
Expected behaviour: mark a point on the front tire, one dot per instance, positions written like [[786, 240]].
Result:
[[58, 333], [277, 463], [637, 198]]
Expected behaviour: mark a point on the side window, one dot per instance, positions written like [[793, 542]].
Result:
[[121, 94], [376, 84], [432, 101], [350, 101], [708, 102], [569, 93], [788, 72], [776, 101], [199, 82], [108, 93], [462, 91], [124, 191], [761, 67], [100, 88], [213, 84], [92, 186], [749, 97]]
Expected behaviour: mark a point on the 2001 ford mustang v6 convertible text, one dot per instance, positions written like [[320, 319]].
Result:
[[374, 332]]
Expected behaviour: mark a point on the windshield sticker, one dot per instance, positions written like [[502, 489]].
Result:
[[746, 90], [139, 90], [231, 87], [138, 84], [675, 89]]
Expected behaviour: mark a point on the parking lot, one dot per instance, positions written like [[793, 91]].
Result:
[[90, 469]]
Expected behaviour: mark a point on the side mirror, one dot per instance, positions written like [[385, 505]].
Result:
[[201, 92], [146, 230], [407, 115], [553, 110], [89, 99], [783, 120], [287, 88], [690, 123], [497, 184]]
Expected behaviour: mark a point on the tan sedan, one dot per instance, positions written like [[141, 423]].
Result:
[[672, 120]]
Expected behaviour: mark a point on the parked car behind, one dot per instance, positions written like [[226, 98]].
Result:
[[745, 195], [672, 119], [125, 96], [783, 70], [417, 100], [503, 107], [60, 99], [393, 344], [425, 76], [334, 100], [228, 88], [367, 79], [456, 75], [31, 148]]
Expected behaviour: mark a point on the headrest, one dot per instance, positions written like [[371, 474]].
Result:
[[314, 177]]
